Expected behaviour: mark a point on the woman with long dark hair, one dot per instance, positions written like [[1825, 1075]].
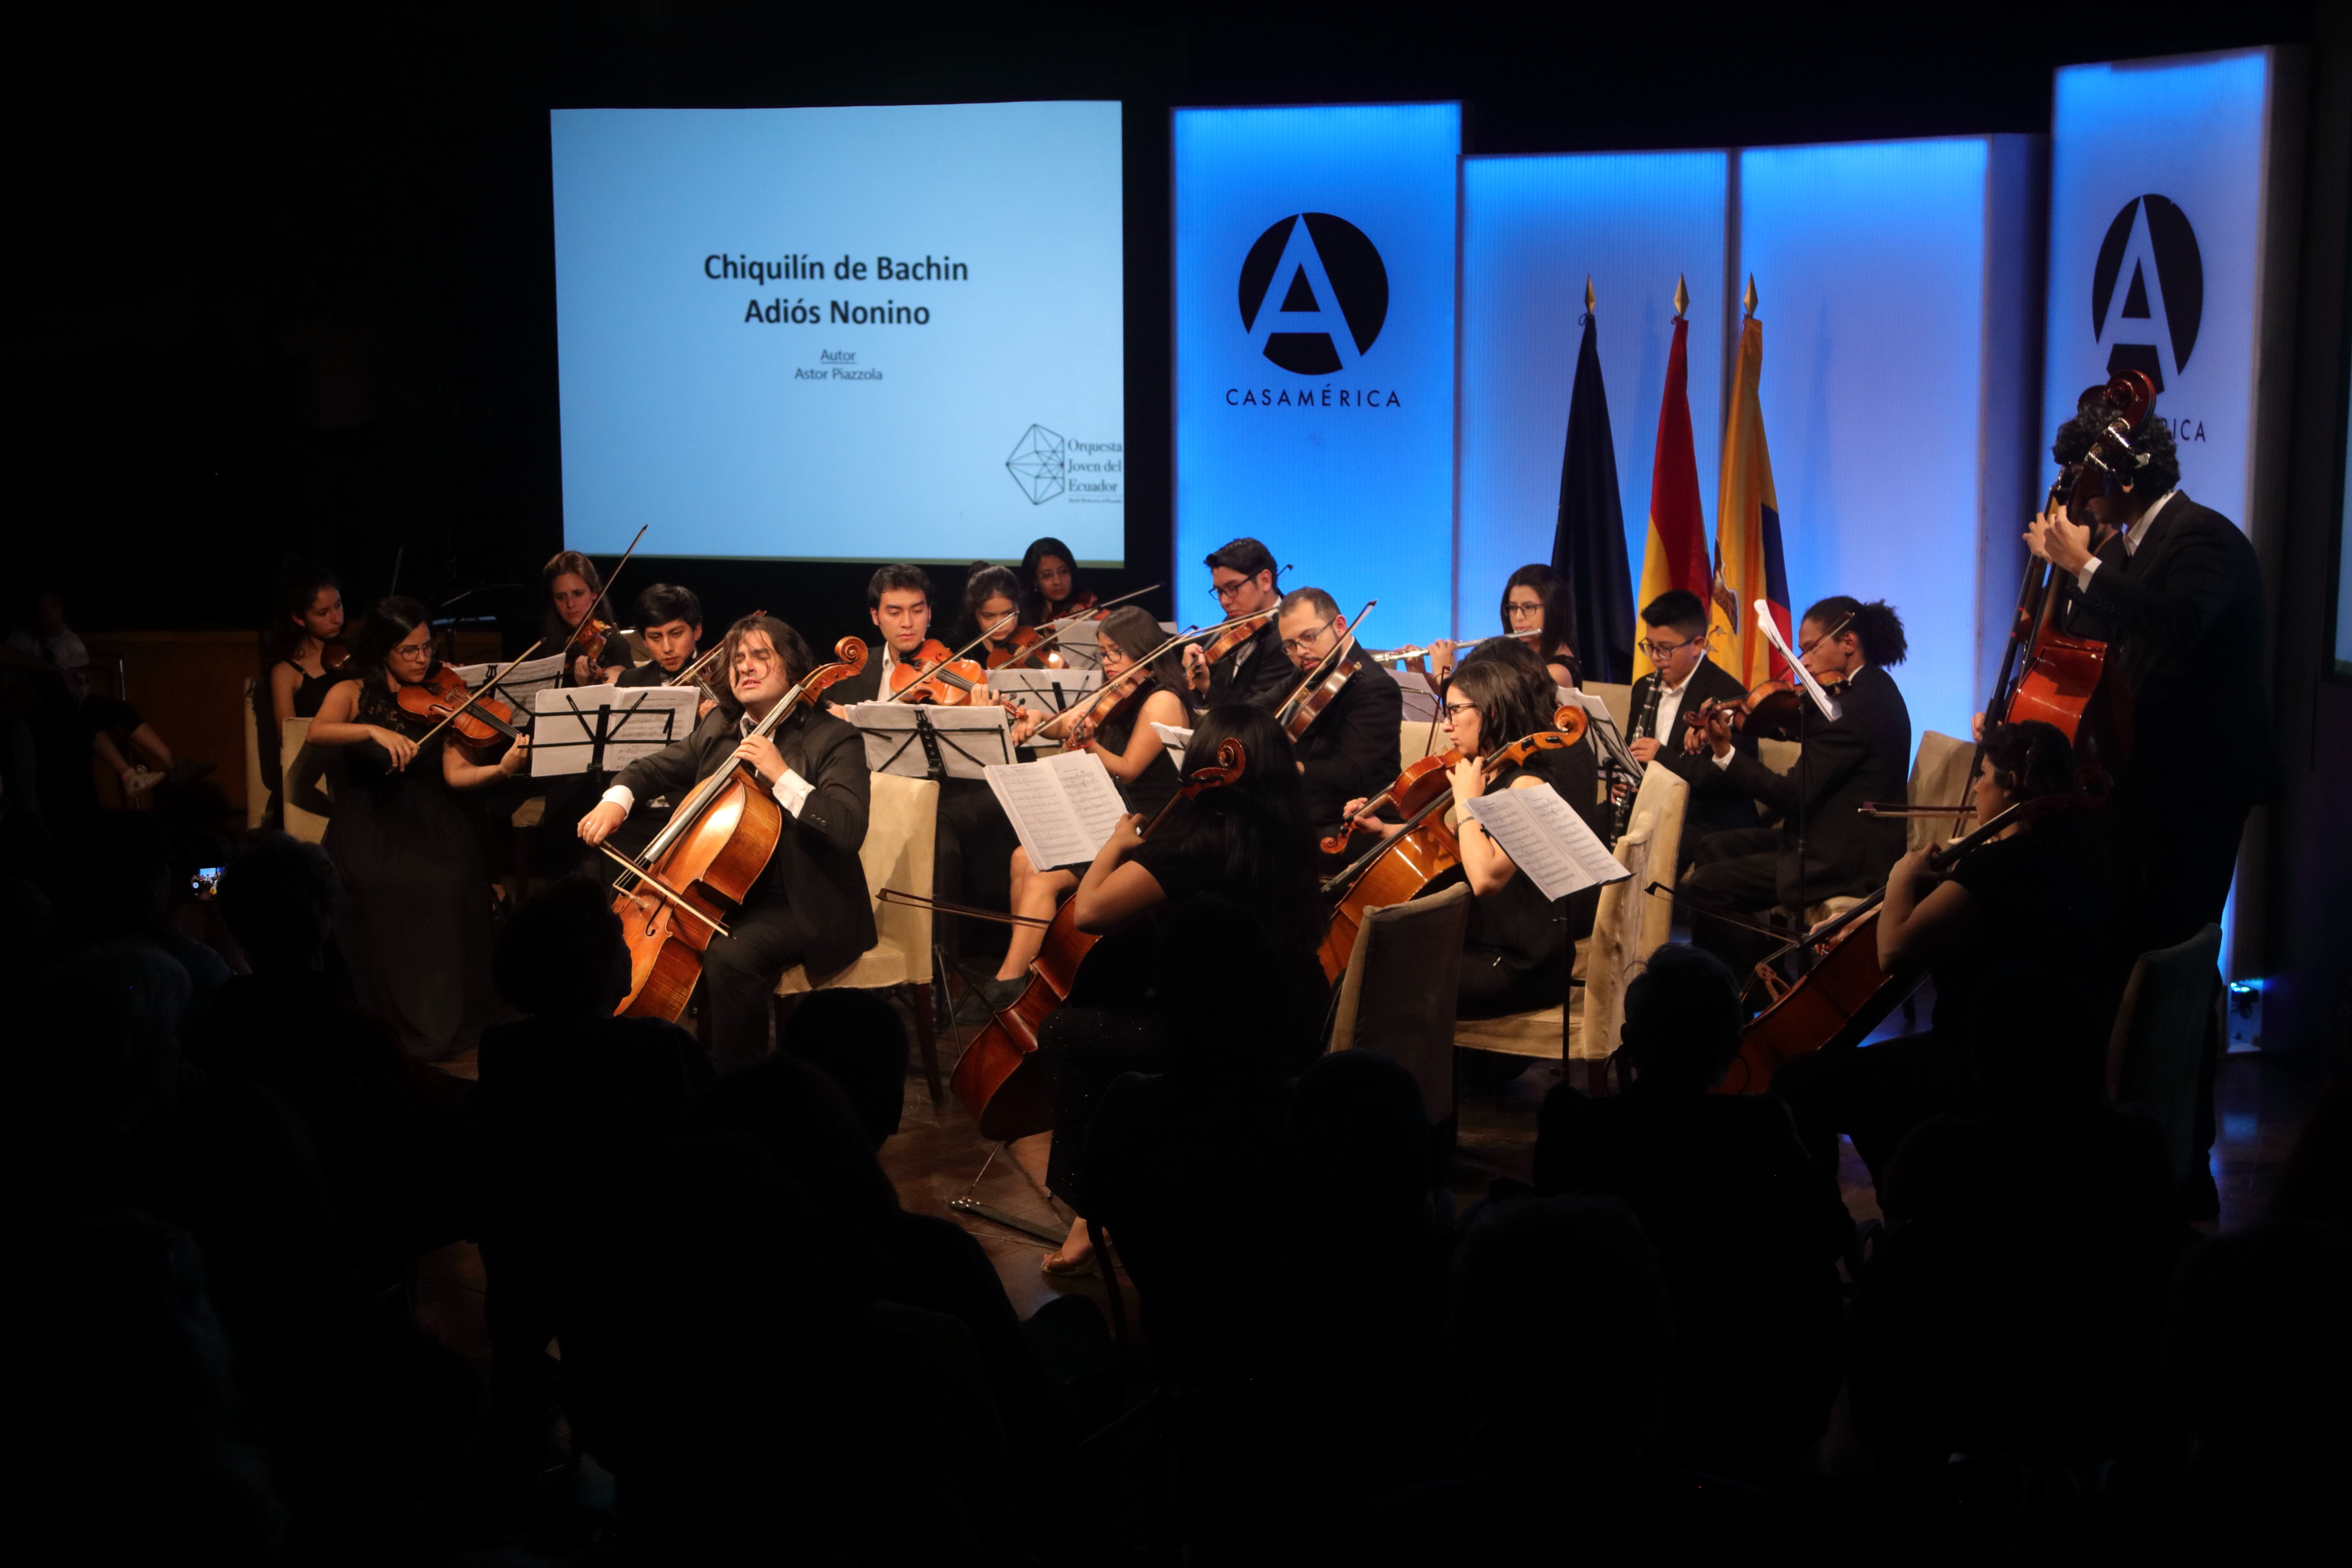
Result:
[[1535, 611], [1248, 842], [306, 624], [417, 935], [1049, 580], [574, 588], [1131, 752], [990, 593]]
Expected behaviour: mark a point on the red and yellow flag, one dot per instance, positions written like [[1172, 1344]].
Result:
[[1676, 553], [1747, 561]]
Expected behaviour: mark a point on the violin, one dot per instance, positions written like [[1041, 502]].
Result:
[[997, 1079], [1769, 712], [1026, 648], [1400, 867], [589, 638], [1235, 633], [441, 698], [1845, 995], [1323, 683], [673, 898], [943, 678]]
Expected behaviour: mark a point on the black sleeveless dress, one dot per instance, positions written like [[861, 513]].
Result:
[[1155, 785], [1515, 954], [415, 929]]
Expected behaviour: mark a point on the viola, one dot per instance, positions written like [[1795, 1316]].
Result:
[[938, 677], [441, 698], [997, 1079], [1845, 995], [1401, 868], [674, 897]]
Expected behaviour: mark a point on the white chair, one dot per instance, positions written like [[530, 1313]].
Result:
[[901, 833], [303, 790], [1940, 777], [1631, 923], [1618, 700], [1397, 995], [2171, 1015]]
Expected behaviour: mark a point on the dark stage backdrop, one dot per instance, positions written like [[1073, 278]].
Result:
[[288, 286]]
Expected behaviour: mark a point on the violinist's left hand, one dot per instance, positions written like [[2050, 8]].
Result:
[[517, 757], [1718, 730], [1469, 780], [1024, 723], [2054, 537], [583, 672], [761, 754]]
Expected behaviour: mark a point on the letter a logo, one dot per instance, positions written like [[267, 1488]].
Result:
[[2151, 253], [1314, 294]]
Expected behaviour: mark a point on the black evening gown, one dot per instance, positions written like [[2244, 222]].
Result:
[[414, 929]]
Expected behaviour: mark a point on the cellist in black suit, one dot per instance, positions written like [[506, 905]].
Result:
[[1864, 755], [2174, 591], [810, 905], [1683, 679]]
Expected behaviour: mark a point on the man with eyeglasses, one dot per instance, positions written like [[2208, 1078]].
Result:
[[1675, 637], [810, 905], [1350, 751], [1242, 575]]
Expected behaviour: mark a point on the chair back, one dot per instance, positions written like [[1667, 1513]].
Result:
[[2155, 1052], [257, 788], [1630, 923], [1940, 777], [1416, 741], [1620, 702], [902, 821], [1398, 996], [303, 790]]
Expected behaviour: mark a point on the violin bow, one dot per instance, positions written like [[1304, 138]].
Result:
[[1324, 665], [1188, 635], [1053, 630], [605, 594], [991, 630], [473, 697]]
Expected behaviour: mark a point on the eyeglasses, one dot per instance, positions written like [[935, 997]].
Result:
[[1224, 591], [1455, 709], [1521, 611], [1301, 645], [414, 650], [1659, 652]]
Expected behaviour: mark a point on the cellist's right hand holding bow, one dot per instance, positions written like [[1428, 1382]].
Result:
[[598, 824]]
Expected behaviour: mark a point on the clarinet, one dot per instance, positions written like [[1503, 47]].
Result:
[[1646, 721]]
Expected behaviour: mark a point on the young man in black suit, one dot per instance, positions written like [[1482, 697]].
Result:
[[1243, 572], [2174, 591], [1683, 679], [810, 906], [1350, 751], [1865, 755]]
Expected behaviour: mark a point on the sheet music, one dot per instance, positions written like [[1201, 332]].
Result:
[[1546, 839], [1178, 742], [528, 679], [1827, 704], [637, 721], [1063, 808]]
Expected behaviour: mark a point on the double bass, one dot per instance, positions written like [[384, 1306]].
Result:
[[1401, 867], [997, 1079], [676, 897], [2047, 674]]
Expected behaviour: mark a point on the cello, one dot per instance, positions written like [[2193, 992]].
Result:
[[997, 1079], [1845, 995], [675, 896], [1400, 866]]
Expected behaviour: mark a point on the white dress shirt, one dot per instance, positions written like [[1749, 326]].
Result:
[[2132, 537], [1670, 705], [790, 790]]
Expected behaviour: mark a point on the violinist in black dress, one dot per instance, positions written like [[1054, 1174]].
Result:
[[1864, 755], [810, 906], [304, 632], [416, 933]]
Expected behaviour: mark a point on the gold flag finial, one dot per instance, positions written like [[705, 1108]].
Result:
[[1682, 295], [1748, 303], [1587, 293]]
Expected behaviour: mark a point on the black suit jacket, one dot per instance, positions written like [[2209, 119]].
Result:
[[1351, 748], [815, 866], [1709, 812], [865, 686], [1866, 755], [1258, 671], [2184, 618]]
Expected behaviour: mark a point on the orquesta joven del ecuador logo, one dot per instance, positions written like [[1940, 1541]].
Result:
[[2151, 252], [1314, 294]]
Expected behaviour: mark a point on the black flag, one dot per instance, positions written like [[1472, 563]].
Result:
[[1588, 545]]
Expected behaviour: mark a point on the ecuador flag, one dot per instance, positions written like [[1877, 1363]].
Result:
[[1676, 553], [1748, 562]]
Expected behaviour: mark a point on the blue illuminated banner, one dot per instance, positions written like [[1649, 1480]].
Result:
[[2159, 191], [1315, 331]]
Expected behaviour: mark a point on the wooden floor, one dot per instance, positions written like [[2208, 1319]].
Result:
[[937, 1155]]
